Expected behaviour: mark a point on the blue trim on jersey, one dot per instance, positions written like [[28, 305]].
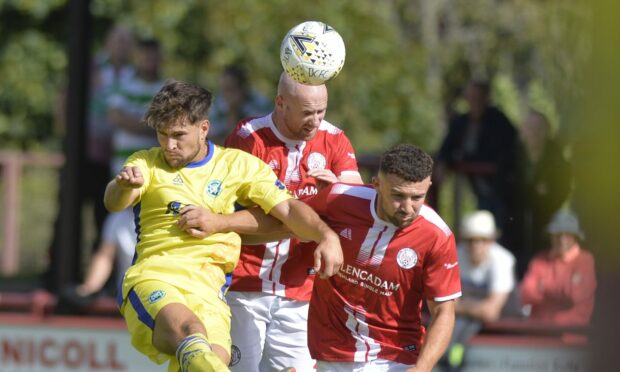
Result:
[[143, 315], [119, 293], [224, 288], [239, 207], [205, 160], [136, 221]]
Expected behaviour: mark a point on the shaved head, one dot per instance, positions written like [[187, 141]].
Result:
[[288, 87], [300, 108]]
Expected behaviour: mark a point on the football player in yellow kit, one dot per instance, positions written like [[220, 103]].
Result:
[[172, 296]]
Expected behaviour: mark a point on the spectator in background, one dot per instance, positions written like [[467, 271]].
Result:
[[129, 103], [112, 68], [234, 101], [487, 281], [487, 269], [546, 182], [560, 283], [482, 144], [113, 256]]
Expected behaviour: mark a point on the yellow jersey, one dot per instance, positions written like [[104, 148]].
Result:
[[223, 180]]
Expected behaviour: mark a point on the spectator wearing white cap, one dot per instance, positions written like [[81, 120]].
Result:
[[487, 280], [560, 283], [487, 269]]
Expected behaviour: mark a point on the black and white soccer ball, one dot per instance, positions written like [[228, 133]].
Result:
[[312, 53]]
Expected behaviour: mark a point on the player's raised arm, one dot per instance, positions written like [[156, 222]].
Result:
[[292, 217], [252, 224], [124, 189]]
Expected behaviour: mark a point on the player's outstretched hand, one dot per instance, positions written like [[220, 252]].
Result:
[[324, 177], [130, 178], [328, 256], [197, 221]]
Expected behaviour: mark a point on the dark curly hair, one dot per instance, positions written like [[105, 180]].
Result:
[[178, 100], [408, 162]]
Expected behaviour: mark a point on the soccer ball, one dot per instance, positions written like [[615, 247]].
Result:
[[312, 53]]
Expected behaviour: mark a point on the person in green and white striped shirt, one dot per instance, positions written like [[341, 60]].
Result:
[[130, 102]]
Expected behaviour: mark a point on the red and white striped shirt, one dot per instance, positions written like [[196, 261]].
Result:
[[372, 308], [278, 267]]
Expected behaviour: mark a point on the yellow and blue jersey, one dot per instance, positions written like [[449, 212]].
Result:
[[225, 178]]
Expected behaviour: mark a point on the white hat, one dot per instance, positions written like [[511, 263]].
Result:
[[479, 224]]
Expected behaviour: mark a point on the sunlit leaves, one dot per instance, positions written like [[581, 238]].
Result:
[[406, 59], [31, 67]]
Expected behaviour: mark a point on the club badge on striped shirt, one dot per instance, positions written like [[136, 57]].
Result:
[[407, 258], [316, 160]]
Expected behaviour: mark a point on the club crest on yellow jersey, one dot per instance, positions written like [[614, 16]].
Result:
[[214, 188]]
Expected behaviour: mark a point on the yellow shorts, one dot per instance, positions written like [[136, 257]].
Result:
[[147, 298]]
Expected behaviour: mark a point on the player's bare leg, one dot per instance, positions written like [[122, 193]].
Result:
[[178, 331]]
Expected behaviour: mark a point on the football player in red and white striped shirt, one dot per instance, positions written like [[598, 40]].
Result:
[[398, 253], [272, 283]]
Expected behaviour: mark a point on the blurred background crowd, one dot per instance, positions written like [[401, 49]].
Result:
[[516, 99]]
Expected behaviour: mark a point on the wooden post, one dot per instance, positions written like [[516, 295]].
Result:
[[11, 175]]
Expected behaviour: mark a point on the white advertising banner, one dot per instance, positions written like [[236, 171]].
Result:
[[34, 348], [95, 345]]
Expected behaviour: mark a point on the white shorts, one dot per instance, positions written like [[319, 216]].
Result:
[[269, 333], [378, 365]]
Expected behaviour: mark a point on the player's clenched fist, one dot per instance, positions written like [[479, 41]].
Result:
[[199, 222], [328, 256], [130, 177], [124, 189]]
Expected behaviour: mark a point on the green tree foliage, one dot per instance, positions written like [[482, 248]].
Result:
[[32, 65], [406, 59]]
